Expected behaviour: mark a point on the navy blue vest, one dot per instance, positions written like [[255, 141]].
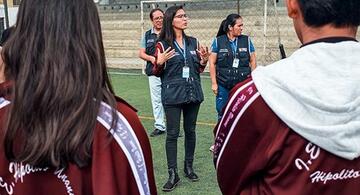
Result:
[[226, 75], [174, 88], [150, 41]]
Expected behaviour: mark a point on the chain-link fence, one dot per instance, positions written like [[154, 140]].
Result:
[[124, 23]]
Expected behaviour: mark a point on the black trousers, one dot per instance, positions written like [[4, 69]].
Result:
[[173, 115]]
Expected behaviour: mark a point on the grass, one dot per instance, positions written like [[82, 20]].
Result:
[[135, 90]]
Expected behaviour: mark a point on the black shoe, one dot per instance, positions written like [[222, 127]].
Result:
[[189, 171], [172, 182], [156, 132]]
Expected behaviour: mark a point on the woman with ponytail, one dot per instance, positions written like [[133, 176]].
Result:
[[232, 59]]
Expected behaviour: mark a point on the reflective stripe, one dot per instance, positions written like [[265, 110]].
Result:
[[231, 100], [235, 109], [126, 138]]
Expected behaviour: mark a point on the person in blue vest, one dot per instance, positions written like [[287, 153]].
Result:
[[232, 59], [146, 52], [179, 61]]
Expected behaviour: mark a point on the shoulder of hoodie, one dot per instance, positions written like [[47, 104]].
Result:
[[130, 114], [254, 98]]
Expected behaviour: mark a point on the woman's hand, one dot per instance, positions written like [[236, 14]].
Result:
[[214, 88], [153, 60], [204, 54], [165, 56]]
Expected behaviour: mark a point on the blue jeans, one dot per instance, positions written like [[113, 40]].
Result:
[[158, 109], [221, 100]]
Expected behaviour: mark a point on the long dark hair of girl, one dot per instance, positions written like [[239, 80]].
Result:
[[167, 33], [56, 60], [229, 21]]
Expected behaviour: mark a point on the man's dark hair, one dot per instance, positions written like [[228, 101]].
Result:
[[338, 12], [57, 62], [154, 10]]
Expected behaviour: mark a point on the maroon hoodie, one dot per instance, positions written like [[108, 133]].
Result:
[[121, 162], [257, 153]]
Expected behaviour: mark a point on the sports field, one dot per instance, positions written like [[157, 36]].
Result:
[[134, 88]]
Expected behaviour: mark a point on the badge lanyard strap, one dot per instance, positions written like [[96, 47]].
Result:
[[181, 51], [232, 48]]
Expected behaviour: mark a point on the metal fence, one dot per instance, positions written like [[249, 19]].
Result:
[[124, 24]]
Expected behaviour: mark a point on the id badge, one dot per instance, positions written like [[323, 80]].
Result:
[[186, 72], [235, 63]]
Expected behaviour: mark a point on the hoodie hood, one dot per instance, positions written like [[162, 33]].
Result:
[[316, 92]]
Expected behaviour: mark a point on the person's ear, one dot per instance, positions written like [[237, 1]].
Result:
[[230, 27], [293, 8]]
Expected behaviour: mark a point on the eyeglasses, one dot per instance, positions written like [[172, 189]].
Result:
[[181, 16], [158, 18]]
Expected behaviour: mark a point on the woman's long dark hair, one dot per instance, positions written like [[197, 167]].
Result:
[[167, 33], [229, 21], [57, 62]]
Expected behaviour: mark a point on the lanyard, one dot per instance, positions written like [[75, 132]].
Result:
[[234, 50], [183, 53]]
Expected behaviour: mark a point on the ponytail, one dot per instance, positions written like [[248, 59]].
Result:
[[222, 29], [229, 21]]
